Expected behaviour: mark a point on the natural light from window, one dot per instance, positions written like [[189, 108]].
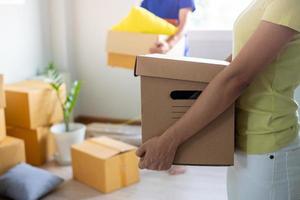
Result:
[[217, 14]]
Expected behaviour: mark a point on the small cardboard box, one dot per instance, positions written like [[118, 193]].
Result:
[[123, 47], [2, 94], [105, 164], [12, 152], [39, 143], [2, 125], [169, 87], [32, 104]]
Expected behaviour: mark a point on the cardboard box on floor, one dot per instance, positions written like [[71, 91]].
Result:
[[39, 143], [169, 87], [12, 152], [32, 104], [2, 125], [105, 164], [123, 47], [2, 105], [2, 94]]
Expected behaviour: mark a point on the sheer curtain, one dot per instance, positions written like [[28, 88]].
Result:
[[217, 14]]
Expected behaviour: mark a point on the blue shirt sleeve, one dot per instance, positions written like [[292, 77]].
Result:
[[144, 4], [187, 4]]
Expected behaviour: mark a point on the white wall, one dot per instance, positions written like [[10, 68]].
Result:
[[106, 92], [24, 44]]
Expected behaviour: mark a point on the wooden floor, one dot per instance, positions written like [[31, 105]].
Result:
[[199, 183]]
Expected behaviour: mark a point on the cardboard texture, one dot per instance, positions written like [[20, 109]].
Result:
[[126, 61], [12, 152], [131, 45], [105, 164], [39, 144], [169, 87], [32, 104], [2, 125], [2, 94]]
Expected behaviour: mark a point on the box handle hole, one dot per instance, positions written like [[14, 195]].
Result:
[[185, 94]]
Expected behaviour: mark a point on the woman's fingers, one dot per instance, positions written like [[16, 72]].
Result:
[[141, 151]]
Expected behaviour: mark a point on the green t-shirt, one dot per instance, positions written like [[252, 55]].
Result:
[[267, 112]]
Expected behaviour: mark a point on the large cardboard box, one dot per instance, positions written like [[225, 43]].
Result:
[[39, 143], [12, 152], [123, 47], [2, 125], [2, 95], [105, 164], [32, 104], [169, 87]]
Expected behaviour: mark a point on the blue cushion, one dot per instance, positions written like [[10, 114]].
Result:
[[25, 182]]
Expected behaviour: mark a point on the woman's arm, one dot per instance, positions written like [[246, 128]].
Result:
[[262, 48], [165, 46]]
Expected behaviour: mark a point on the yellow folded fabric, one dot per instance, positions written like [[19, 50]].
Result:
[[142, 21]]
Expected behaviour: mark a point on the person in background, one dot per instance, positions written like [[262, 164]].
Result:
[[262, 77], [176, 12]]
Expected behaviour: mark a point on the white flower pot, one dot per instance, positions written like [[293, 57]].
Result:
[[64, 140]]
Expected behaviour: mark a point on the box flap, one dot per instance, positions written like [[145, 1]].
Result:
[[96, 150], [29, 86], [113, 144], [179, 68], [103, 147]]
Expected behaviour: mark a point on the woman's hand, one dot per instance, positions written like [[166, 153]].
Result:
[[157, 153], [162, 47]]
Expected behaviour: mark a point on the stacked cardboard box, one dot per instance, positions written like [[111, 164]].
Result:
[[32, 106], [12, 150], [123, 47], [39, 143], [2, 105], [105, 164]]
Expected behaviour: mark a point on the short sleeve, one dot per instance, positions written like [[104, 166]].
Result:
[[284, 12], [144, 4], [187, 4]]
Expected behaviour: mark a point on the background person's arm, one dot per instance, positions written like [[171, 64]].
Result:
[[229, 58], [262, 48], [165, 46]]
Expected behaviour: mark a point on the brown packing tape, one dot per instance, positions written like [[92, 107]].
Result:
[[121, 60]]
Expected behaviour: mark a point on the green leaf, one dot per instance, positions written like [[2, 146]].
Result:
[[72, 97], [56, 79]]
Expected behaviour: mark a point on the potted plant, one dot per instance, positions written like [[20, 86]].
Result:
[[66, 133]]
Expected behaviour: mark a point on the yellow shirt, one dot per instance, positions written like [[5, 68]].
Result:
[[267, 113]]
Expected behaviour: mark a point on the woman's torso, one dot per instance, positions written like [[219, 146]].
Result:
[[266, 112]]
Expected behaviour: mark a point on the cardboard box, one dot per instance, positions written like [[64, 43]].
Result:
[[2, 125], [126, 61], [105, 164], [169, 87], [39, 143], [123, 47], [32, 104], [12, 152], [2, 94]]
